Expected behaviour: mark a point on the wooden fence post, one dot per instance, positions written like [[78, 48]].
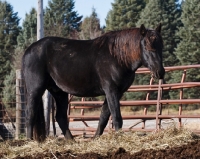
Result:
[[20, 104], [159, 105], [181, 96]]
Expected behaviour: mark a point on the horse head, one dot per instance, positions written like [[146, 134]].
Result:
[[152, 45]]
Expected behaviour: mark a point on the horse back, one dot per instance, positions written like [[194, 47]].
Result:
[[75, 66]]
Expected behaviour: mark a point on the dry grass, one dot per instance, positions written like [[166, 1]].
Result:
[[130, 141], [192, 125]]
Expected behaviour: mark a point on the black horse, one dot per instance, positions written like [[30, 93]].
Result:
[[87, 68]]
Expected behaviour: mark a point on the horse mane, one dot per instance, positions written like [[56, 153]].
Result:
[[122, 44]]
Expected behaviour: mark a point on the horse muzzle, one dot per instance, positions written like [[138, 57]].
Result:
[[158, 74]]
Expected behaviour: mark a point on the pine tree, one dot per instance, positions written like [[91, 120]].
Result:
[[90, 27], [188, 51], [9, 91], [29, 31], [24, 39], [27, 36], [9, 27], [124, 14], [61, 19], [9, 30]]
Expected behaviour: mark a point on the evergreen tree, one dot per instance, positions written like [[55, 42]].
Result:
[[27, 36], [24, 39], [9, 30], [5, 65], [90, 27], [9, 27], [188, 51], [61, 19], [29, 31], [124, 14], [9, 91]]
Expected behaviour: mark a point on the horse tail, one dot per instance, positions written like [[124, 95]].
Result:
[[38, 123], [39, 131]]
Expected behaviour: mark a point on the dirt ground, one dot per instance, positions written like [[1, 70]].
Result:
[[189, 151]]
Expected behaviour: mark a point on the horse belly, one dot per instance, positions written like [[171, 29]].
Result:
[[79, 86]]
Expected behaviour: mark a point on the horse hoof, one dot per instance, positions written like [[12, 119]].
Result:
[[69, 136], [95, 137]]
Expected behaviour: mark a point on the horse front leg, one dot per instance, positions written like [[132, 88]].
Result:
[[104, 117], [113, 97]]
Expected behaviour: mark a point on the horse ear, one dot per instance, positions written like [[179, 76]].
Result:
[[143, 30], [158, 28]]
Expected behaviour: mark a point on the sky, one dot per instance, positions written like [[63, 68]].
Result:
[[83, 7]]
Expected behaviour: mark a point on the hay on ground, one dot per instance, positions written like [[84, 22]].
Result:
[[110, 142]]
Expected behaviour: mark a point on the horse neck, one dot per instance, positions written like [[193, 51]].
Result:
[[130, 54], [135, 65]]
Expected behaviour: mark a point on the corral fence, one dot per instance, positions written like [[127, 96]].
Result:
[[13, 124]]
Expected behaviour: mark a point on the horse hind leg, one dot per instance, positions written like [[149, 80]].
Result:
[[34, 115], [61, 99], [35, 86]]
